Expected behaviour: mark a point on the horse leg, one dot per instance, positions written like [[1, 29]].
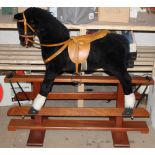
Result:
[[46, 87], [129, 96]]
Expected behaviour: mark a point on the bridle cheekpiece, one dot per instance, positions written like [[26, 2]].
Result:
[[26, 26]]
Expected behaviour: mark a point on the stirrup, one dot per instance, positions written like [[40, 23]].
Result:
[[76, 83]]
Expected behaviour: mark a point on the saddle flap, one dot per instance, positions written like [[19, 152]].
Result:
[[78, 50]]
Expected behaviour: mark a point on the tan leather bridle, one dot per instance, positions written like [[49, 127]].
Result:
[[26, 36]]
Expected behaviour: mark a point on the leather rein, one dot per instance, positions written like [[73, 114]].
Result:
[[26, 36]]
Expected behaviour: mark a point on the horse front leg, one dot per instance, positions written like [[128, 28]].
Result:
[[46, 87]]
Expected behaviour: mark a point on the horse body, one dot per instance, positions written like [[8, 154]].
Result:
[[110, 53]]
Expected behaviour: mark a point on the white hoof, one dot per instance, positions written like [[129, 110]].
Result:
[[130, 100], [39, 102]]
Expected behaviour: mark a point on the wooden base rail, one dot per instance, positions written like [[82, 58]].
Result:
[[83, 79], [75, 96], [84, 112], [40, 123], [77, 125], [37, 131], [117, 124]]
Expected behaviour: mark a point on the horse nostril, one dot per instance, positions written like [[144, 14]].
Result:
[[29, 44], [22, 43]]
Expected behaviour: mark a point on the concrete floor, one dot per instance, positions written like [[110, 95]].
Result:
[[72, 139]]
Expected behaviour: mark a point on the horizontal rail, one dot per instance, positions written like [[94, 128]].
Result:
[[74, 96], [22, 67], [40, 67], [146, 55], [21, 61], [77, 125], [34, 60], [20, 52], [8, 23], [16, 47], [16, 57], [82, 79], [85, 112]]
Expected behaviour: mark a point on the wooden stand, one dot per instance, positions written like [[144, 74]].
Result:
[[116, 123]]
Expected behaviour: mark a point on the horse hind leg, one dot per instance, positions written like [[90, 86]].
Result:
[[129, 96], [129, 104]]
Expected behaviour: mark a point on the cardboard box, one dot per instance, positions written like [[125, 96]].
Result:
[[114, 14]]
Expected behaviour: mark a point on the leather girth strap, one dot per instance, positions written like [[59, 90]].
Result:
[[79, 46]]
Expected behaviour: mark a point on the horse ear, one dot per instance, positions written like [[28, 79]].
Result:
[[18, 16]]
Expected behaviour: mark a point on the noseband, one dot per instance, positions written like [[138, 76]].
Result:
[[26, 26]]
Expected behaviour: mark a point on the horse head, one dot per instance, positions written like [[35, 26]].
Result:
[[40, 22], [26, 29]]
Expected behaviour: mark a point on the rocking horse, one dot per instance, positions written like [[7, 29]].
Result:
[[60, 52]]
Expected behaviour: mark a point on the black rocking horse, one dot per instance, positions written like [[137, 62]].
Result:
[[109, 51]]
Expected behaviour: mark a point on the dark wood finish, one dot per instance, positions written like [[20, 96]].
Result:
[[83, 79], [78, 125], [120, 138], [75, 96], [119, 104], [116, 124], [36, 88], [36, 138], [69, 111]]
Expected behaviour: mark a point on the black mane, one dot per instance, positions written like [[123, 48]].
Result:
[[52, 25]]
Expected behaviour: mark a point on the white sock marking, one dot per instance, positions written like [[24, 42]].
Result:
[[130, 100], [39, 102]]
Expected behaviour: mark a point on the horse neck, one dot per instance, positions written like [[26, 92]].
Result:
[[52, 34]]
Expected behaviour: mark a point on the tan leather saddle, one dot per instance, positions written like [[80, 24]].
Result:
[[79, 46]]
